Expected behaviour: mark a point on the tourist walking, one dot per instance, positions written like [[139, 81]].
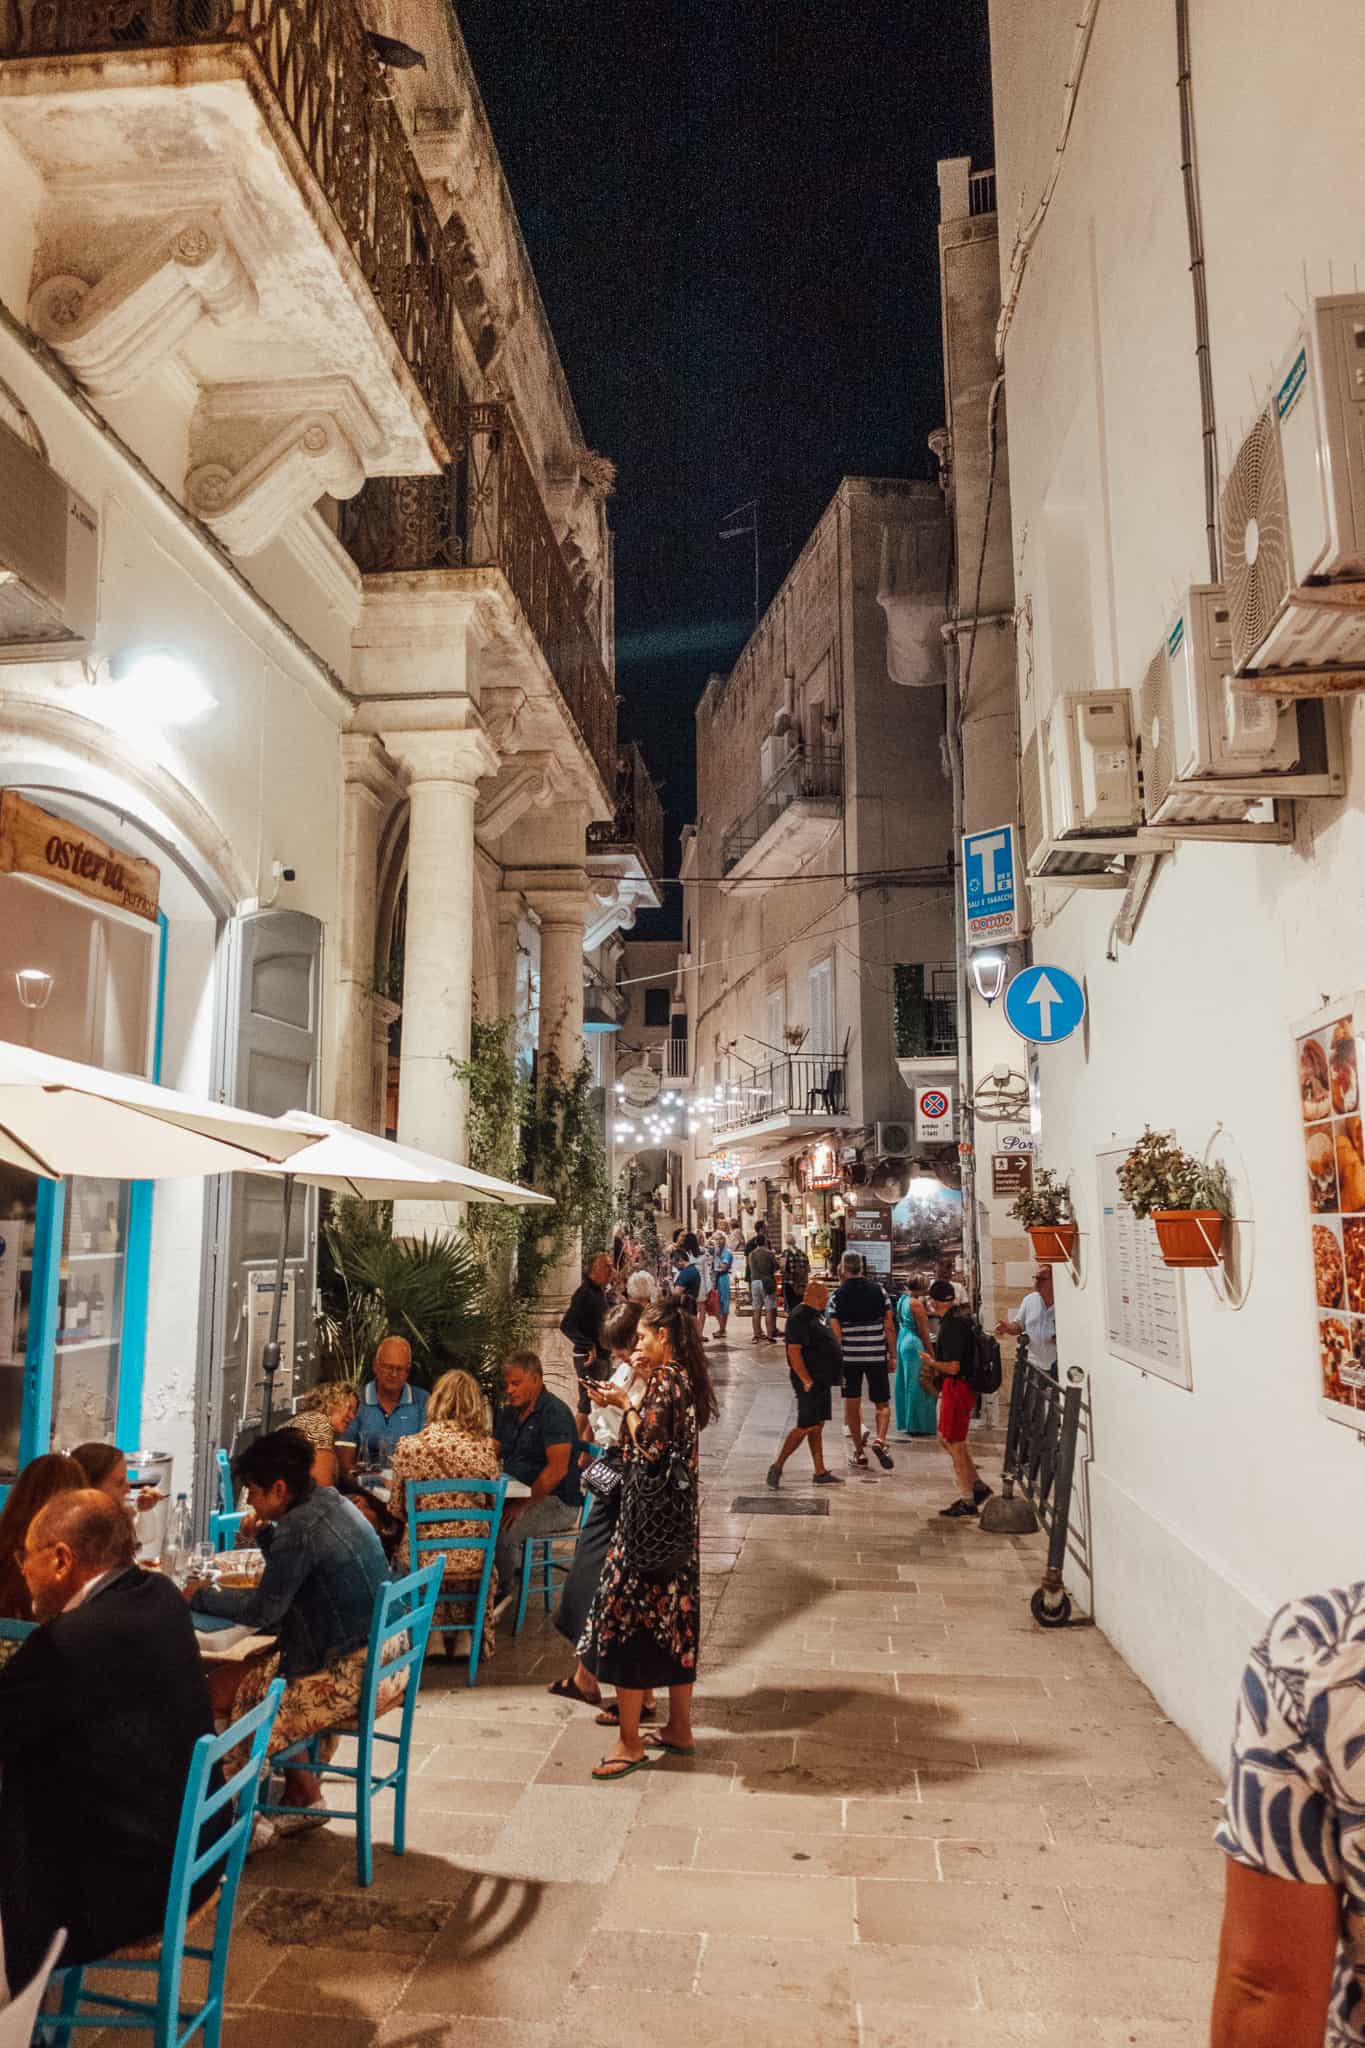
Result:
[[862, 1322], [916, 1406], [954, 1351], [762, 1267], [795, 1274], [644, 1627], [816, 1365], [722, 1265]]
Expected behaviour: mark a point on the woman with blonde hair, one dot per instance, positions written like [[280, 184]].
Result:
[[454, 1444], [323, 1412]]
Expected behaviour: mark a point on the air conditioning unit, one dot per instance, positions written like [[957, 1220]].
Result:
[[1293, 513], [49, 559], [1092, 784], [894, 1141], [1211, 750]]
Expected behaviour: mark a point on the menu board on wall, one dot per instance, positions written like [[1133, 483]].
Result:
[[1144, 1303], [1327, 1064]]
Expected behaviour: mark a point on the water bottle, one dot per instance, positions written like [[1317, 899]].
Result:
[[179, 1540]]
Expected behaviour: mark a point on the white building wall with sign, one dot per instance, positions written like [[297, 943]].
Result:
[[1211, 1504]]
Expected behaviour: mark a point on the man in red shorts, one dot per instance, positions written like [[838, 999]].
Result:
[[954, 1343]]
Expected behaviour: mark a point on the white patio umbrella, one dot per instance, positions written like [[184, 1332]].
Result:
[[58, 1117], [350, 1162]]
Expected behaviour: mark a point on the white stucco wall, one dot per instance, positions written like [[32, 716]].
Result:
[[1212, 1506]]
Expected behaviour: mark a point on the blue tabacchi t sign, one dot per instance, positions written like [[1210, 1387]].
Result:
[[1044, 1004]]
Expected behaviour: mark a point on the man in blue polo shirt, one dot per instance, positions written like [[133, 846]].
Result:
[[389, 1408], [536, 1434]]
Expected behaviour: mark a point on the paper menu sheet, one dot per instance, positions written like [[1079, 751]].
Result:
[[1144, 1301]]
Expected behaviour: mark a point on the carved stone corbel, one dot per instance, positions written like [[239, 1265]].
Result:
[[501, 710], [266, 452], [533, 780], [112, 334]]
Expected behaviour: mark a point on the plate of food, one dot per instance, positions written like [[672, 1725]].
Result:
[[1315, 1086], [1350, 1154], [1334, 1351], [1329, 1270], [1320, 1155], [1345, 1074]]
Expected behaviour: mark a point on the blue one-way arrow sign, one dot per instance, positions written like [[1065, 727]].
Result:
[[1044, 1004]]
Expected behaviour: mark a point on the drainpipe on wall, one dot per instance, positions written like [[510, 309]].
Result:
[[965, 1080]]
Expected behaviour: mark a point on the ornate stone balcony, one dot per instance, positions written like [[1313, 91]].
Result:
[[229, 182], [485, 514], [639, 819]]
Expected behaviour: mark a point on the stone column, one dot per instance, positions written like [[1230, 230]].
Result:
[[443, 771], [509, 911], [370, 789], [383, 1015]]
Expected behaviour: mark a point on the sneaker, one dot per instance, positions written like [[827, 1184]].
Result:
[[882, 1455], [959, 1510], [827, 1479], [774, 1476], [981, 1492]]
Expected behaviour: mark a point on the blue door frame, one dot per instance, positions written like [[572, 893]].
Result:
[[35, 1423]]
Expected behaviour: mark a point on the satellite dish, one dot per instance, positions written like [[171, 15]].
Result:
[[890, 1181]]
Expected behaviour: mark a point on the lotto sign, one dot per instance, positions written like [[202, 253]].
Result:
[[988, 884], [933, 1115]]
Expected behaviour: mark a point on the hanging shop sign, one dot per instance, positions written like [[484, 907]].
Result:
[[933, 1115], [1327, 1048], [991, 896], [869, 1230], [1011, 1173], [34, 842], [824, 1170], [640, 1087]]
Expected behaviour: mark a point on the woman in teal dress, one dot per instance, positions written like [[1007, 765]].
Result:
[[916, 1411]]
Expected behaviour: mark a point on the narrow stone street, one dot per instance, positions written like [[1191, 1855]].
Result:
[[913, 1820]]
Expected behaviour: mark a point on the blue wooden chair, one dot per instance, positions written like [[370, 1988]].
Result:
[[225, 1520], [470, 1593], [403, 1610], [539, 1564], [15, 1631], [162, 2015]]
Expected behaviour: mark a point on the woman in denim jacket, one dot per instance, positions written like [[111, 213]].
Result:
[[324, 1567]]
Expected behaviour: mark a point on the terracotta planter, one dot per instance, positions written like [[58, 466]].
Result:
[[1189, 1237], [1054, 1244]]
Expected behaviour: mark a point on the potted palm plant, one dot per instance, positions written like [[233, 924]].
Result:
[[1188, 1199], [1046, 1214]]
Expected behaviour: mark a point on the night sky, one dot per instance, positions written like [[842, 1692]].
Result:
[[732, 214]]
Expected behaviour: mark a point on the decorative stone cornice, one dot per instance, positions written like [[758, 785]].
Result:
[[532, 779], [443, 755], [114, 333], [267, 452]]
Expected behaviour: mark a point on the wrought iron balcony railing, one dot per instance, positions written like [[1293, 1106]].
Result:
[[981, 192], [812, 773], [639, 819], [318, 66], [806, 1084], [487, 512]]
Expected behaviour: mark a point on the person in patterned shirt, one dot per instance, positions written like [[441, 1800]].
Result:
[[1291, 1966]]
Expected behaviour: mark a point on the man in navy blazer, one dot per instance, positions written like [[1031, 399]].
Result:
[[100, 1709]]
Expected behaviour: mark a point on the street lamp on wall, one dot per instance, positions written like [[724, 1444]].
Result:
[[989, 969], [34, 985]]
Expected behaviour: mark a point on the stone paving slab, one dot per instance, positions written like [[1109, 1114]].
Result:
[[914, 1820]]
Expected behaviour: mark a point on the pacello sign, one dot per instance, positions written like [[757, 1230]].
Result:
[[934, 1115]]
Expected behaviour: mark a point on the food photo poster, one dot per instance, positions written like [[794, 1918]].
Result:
[[1328, 1064]]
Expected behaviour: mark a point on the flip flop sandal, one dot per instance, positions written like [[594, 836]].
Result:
[[565, 1689], [671, 1748], [612, 1768], [610, 1717]]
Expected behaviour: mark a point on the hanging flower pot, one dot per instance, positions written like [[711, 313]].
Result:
[[1054, 1244], [1189, 1237]]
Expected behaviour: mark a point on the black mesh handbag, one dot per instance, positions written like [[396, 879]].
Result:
[[658, 1525]]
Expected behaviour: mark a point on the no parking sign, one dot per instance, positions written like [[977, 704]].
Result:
[[934, 1114]]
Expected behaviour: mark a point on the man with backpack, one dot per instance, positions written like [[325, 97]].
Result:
[[968, 1362], [817, 1367]]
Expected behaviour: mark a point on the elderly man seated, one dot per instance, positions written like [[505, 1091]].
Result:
[[536, 1435], [389, 1409], [100, 1709]]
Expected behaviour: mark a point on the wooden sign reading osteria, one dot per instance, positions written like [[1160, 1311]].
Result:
[[33, 842]]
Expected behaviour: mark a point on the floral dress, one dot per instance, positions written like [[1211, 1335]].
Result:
[[443, 1450], [644, 1631]]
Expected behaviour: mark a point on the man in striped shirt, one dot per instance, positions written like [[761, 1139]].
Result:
[[860, 1317]]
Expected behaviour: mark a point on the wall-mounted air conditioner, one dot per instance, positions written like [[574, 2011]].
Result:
[[1092, 784], [894, 1141], [1293, 512], [49, 559], [1211, 750]]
